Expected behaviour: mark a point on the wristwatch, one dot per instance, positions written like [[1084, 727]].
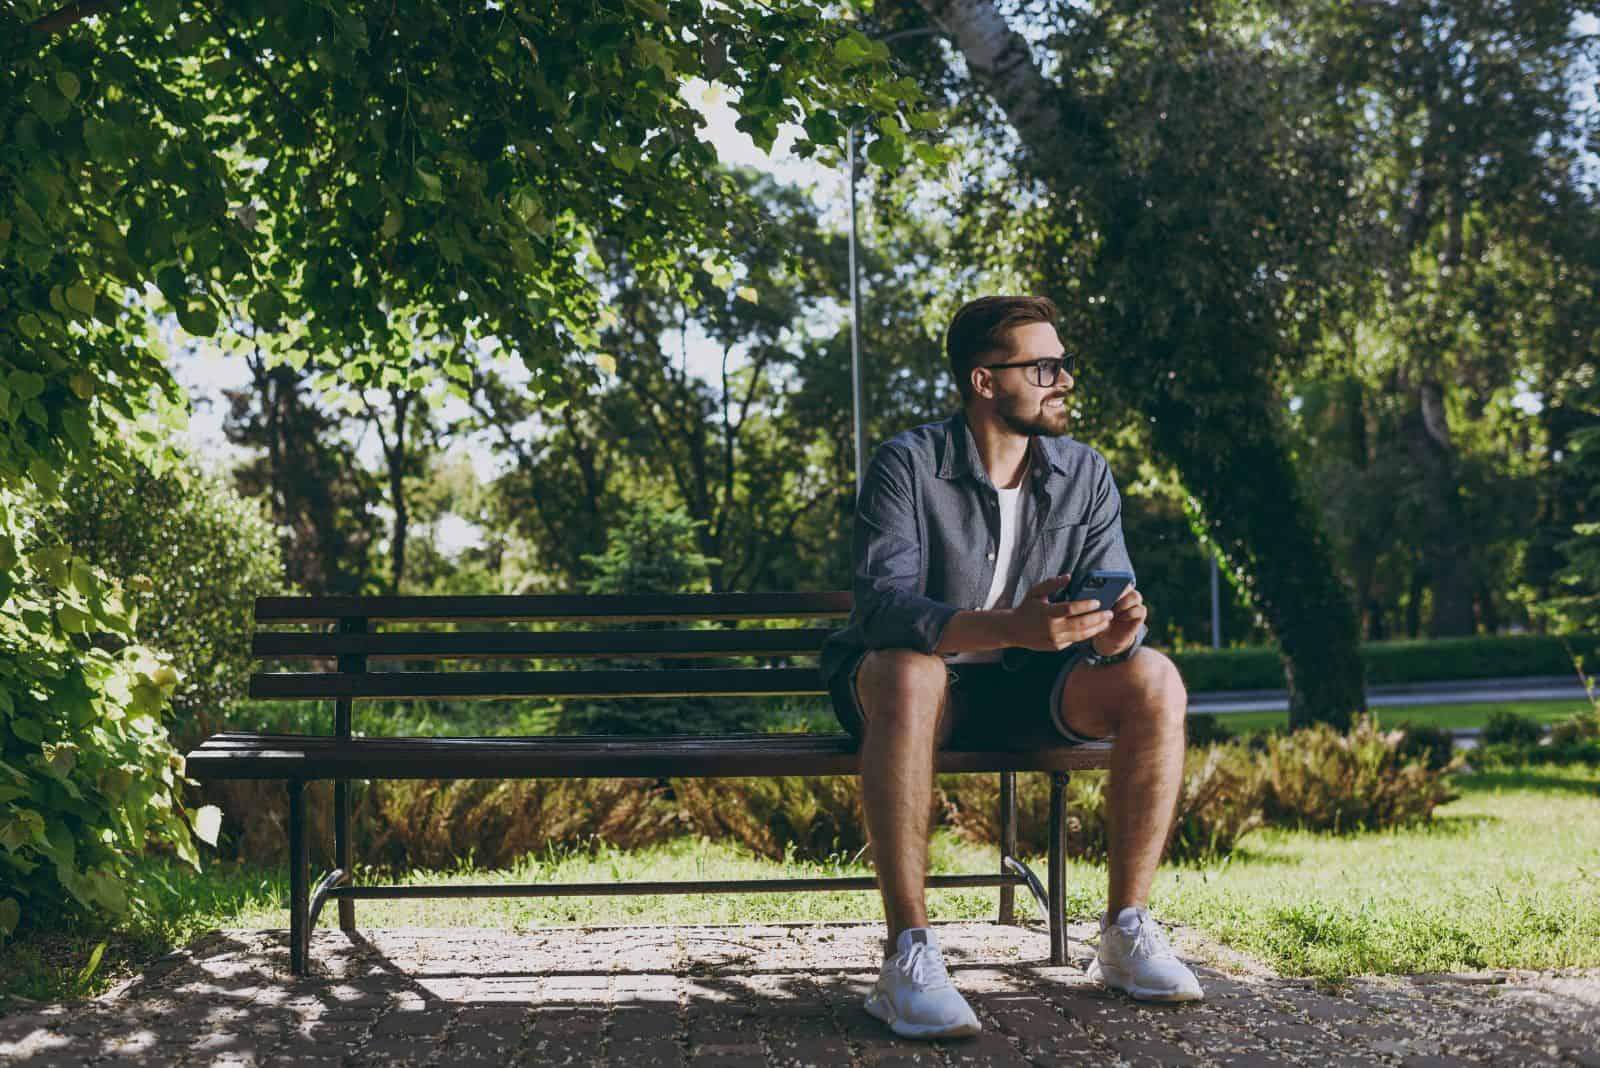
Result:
[[1094, 659]]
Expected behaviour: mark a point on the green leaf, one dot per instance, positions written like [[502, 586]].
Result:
[[67, 82], [28, 729], [198, 317], [48, 104], [93, 963], [10, 914], [207, 823], [81, 298], [852, 49], [886, 152]]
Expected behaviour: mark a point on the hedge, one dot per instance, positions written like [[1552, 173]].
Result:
[[1432, 660]]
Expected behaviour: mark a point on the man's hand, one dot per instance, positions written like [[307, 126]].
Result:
[[1129, 613], [1038, 624]]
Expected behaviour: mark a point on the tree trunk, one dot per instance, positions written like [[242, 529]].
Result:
[[1446, 555], [1221, 435]]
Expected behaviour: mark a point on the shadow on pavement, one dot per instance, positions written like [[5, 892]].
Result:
[[758, 995]]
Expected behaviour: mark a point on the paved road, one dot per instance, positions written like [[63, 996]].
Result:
[[772, 997], [1536, 688]]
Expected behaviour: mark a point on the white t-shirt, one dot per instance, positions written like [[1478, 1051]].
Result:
[[1012, 503]]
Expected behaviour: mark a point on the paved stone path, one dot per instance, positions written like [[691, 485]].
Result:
[[774, 995]]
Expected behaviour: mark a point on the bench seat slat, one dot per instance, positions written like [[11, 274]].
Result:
[[611, 608], [709, 682], [266, 756], [433, 645]]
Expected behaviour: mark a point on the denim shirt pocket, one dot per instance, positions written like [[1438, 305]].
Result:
[[1060, 547]]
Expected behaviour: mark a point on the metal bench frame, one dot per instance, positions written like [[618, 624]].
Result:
[[352, 644]]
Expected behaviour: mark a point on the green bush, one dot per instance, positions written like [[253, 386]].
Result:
[[1434, 746], [197, 555], [1218, 804], [1571, 741], [88, 776], [1318, 779], [1505, 727]]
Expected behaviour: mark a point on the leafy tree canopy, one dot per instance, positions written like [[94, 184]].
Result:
[[353, 174]]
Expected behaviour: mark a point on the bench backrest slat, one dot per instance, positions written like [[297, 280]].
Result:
[[572, 608], [437, 645], [704, 682]]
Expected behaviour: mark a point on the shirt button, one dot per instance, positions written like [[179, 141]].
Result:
[[991, 557]]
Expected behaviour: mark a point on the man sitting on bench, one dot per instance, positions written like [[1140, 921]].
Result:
[[964, 530]]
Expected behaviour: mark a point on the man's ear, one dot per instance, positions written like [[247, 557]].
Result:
[[982, 380]]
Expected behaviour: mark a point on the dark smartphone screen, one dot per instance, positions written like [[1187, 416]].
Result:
[[1102, 586]]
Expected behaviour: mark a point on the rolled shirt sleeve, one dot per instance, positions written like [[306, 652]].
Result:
[[1103, 547]]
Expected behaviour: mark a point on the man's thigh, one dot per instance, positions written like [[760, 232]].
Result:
[[1094, 699], [878, 672]]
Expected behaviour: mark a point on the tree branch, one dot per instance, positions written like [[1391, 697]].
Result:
[[71, 15]]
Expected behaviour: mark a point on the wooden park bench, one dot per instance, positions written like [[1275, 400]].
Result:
[[344, 633]]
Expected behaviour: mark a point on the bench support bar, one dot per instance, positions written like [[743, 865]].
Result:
[[726, 886], [320, 895], [299, 864], [1057, 907]]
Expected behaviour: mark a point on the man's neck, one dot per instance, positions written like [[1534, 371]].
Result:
[[1003, 451]]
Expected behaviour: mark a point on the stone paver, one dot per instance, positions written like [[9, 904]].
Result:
[[769, 996]]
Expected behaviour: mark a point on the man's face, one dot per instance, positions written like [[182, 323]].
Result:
[[1037, 411]]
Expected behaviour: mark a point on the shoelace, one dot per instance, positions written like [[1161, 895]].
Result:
[[1151, 941], [925, 967]]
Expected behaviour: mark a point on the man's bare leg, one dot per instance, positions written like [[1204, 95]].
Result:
[[902, 694], [1143, 702]]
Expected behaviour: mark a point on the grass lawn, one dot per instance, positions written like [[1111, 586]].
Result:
[[1450, 716], [1508, 876]]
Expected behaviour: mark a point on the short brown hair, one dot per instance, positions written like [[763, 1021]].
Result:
[[983, 327]]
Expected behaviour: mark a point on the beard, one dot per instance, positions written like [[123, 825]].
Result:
[[1030, 417]]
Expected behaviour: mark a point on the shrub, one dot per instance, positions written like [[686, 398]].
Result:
[[1571, 741], [1206, 729], [1434, 746], [1319, 779], [1218, 804], [88, 777], [810, 817], [1505, 727], [202, 553]]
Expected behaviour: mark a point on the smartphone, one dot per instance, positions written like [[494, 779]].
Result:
[[1102, 586]]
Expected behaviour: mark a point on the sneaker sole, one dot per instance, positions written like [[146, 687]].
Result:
[[1113, 978], [879, 1006]]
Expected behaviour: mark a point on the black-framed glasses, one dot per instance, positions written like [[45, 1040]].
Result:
[[1045, 372]]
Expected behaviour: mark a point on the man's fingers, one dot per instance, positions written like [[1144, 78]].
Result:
[[1048, 586], [1064, 609]]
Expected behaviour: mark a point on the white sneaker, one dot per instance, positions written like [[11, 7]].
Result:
[[913, 994], [1135, 956]]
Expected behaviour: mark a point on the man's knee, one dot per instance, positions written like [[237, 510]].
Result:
[[901, 685], [1158, 685]]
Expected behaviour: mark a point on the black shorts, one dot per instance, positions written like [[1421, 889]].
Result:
[[988, 702]]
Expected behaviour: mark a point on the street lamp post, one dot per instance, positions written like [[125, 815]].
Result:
[[858, 386]]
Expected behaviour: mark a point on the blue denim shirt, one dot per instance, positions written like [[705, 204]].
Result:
[[928, 524]]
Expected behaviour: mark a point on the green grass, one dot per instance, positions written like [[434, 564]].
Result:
[[1452, 716], [1508, 876]]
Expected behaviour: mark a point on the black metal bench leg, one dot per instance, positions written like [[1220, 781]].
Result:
[[341, 849], [299, 880], [1008, 843], [1058, 867]]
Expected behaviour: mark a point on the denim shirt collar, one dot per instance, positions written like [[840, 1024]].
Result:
[[959, 455]]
